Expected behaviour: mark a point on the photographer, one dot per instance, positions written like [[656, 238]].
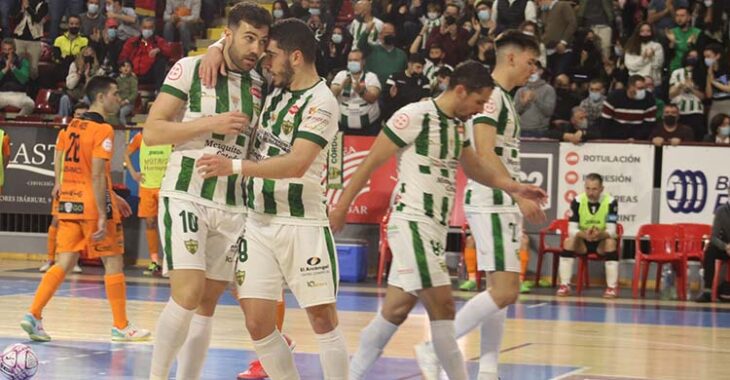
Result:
[[14, 75]]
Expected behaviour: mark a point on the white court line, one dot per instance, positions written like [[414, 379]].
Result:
[[537, 305], [571, 373], [59, 291]]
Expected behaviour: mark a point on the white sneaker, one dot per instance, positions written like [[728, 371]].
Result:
[[427, 361], [77, 269], [130, 334], [46, 266], [34, 328]]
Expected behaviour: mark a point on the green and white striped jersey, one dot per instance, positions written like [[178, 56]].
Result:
[[431, 144], [499, 112], [357, 29], [310, 114], [356, 112], [687, 101], [236, 92], [430, 69]]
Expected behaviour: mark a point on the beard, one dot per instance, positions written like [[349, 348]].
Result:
[[285, 77], [237, 58]]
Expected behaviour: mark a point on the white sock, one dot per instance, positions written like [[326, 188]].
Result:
[[333, 355], [191, 358], [492, 330], [170, 333], [566, 270], [276, 357], [476, 310], [444, 344], [611, 273], [373, 339]]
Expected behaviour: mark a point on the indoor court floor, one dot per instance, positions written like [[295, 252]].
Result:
[[545, 337]]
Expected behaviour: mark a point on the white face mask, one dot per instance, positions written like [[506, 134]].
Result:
[[93, 8], [433, 15], [708, 3], [640, 94], [534, 77]]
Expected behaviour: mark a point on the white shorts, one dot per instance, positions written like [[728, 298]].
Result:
[[497, 236], [418, 254], [302, 257], [198, 237]]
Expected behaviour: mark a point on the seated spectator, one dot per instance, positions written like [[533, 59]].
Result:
[[406, 87], [28, 32], [453, 39], [434, 62], [82, 69], [688, 96], [719, 129], [365, 22], [717, 249], [93, 20], [280, 10], [670, 131], [593, 104], [70, 44], [483, 24], [717, 85], [442, 81], [384, 58], [334, 52], [591, 229], [566, 99], [357, 91], [509, 14], [644, 56], [629, 114], [577, 131], [535, 103], [149, 55], [108, 48], [485, 53], [126, 17], [317, 25], [587, 59], [127, 85], [429, 21], [559, 25], [14, 75], [181, 16], [4, 157]]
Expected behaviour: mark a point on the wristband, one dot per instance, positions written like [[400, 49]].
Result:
[[237, 165]]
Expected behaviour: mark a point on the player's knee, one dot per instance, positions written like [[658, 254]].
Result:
[[445, 310], [259, 328], [506, 296], [569, 244], [396, 315], [188, 298], [610, 245]]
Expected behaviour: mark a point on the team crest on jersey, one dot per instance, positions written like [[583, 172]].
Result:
[[287, 127], [437, 247], [490, 106], [401, 121], [192, 246], [240, 277], [175, 72]]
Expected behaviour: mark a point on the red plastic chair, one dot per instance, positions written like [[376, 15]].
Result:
[[42, 102], [663, 239], [385, 256], [694, 237], [583, 276], [559, 227], [716, 279]]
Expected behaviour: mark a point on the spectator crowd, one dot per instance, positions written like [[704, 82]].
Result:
[[656, 70]]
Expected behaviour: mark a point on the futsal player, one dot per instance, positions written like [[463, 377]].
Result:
[[88, 212]]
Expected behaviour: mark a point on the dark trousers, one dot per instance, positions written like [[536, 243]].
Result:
[[156, 75], [696, 121], [713, 253]]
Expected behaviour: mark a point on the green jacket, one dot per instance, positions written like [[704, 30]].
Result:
[[128, 88], [607, 7]]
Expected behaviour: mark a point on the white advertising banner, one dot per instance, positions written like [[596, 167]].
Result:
[[627, 171], [694, 183]]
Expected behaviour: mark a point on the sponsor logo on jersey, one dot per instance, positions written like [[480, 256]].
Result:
[[687, 191], [313, 261]]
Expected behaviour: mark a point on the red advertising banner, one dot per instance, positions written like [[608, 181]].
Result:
[[373, 201]]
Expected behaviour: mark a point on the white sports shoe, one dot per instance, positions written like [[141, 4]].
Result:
[[130, 334], [427, 361], [77, 269], [46, 266]]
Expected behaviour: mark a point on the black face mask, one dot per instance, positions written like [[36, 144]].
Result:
[[690, 61], [389, 40], [670, 120], [359, 18], [89, 59], [644, 39], [73, 30]]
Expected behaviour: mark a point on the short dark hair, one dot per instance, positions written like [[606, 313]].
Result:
[[635, 78], [595, 177], [98, 85], [79, 106], [598, 81], [715, 48], [472, 75], [9, 41], [250, 13], [126, 61], [73, 16], [293, 34], [444, 71], [716, 122], [518, 39], [416, 58], [671, 105], [680, 8]]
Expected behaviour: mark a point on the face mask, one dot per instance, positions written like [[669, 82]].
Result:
[[93, 8], [433, 15], [314, 11], [89, 59], [670, 120], [724, 131], [73, 30], [443, 86], [529, 33], [691, 61], [110, 8], [709, 62], [353, 67], [583, 124], [483, 15], [534, 77], [645, 38], [619, 52], [389, 40], [708, 3], [640, 94], [112, 33], [147, 33], [278, 13], [595, 96], [337, 38], [360, 18]]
